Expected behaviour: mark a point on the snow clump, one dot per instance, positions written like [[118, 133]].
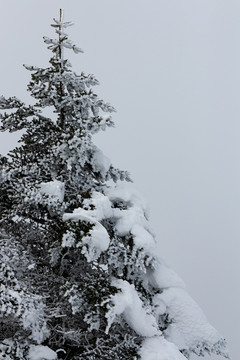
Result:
[[40, 352]]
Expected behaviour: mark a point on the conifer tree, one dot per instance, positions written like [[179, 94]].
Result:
[[80, 277]]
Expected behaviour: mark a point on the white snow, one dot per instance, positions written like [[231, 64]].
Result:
[[31, 266], [97, 240], [128, 221], [98, 206], [95, 209], [134, 219], [128, 303], [68, 239], [54, 189], [143, 239], [163, 276], [5, 348], [158, 348], [100, 162], [127, 193], [40, 352], [33, 319], [127, 218], [159, 305], [190, 326]]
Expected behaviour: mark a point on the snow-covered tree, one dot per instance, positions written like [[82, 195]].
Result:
[[80, 277]]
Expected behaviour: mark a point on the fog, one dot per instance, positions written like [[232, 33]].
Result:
[[172, 70]]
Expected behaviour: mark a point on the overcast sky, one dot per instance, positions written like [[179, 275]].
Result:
[[172, 70]]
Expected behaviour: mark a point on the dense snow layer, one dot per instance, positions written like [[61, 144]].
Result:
[[95, 209], [98, 207], [190, 326], [128, 303], [163, 277], [39, 352], [157, 348], [143, 239], [100, 162], [127, 193], [133, 218]]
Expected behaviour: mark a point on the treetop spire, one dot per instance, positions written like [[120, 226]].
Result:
[[61, 14], [57, 45]]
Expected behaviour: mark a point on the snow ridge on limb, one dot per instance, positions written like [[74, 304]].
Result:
[[178, 316]]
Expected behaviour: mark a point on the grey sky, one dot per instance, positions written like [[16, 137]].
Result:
[[172, 70]]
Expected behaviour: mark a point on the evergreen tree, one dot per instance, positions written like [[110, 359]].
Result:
[[80, 277]]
